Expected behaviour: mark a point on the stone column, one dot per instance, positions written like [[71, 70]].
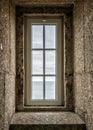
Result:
[[83, 60], [7, 62]]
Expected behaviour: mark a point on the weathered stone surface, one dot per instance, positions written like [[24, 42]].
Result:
[[88, 36], [46, 118], [79, 37], [89, 103], [4, 36], [84, 97], [45, 2], [81, 63], [7, 22], [9, 98], [79, 91], [12, 38], [10, 77], [83, 79], [7, 63], [47, 121], [59, 1], [2, 99], [79, 75]]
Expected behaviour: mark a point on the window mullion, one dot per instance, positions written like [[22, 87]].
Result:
[[44, 62]]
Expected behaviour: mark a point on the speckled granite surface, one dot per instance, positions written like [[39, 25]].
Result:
[[43, 2], [83, 63], [7, 62], [2, 100], [47, 121], [46, 118]]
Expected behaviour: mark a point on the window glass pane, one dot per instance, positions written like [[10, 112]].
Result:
[[50, 36], [37, 36], [37, 87], [50, 87], [50, 62], [37, 62]]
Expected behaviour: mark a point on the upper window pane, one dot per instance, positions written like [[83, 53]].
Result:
[[50, 36], [37, 36]]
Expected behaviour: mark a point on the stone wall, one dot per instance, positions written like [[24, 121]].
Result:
[[43, 2], [83, 60], [2, 100], [7, 63], [79, 55], [88, 26]]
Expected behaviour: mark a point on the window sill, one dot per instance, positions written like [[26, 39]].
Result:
[[30, 118], [45, 108]]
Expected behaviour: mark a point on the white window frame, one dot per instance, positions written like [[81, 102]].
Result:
[[59, 60]]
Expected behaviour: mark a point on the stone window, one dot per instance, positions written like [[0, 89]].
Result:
[[50, 12]]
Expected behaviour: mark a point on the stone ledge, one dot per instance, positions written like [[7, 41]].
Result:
[[59, 118]]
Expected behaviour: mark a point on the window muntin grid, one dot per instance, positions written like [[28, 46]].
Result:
[[44, 60]]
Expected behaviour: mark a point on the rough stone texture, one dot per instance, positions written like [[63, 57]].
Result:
[[20, 68], [89, 102], [79, 75], [2, 100], [46, 118], [83, 63], [82, 60], [47, 121], [10, 77], [9, 98], [88, 35], [7, 63], [78, 35], [4, 35], [12, 38], [43, 2]]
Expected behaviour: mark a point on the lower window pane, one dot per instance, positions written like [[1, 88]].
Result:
[[37, 87], [50, 87]]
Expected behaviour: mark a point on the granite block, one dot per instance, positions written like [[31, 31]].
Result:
[[2, 99], [47, 121]]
